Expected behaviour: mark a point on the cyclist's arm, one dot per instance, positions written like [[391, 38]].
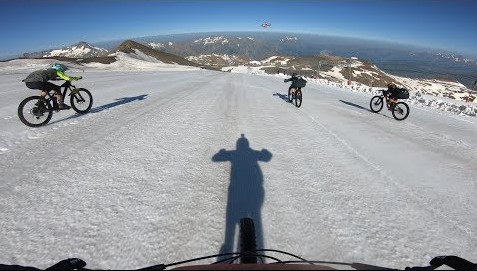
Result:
[[65, 77]]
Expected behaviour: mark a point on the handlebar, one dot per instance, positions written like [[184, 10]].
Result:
[[453, 262], [73, 78], [68, 82]]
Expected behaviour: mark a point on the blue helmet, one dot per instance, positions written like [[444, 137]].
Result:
[[59, 67]]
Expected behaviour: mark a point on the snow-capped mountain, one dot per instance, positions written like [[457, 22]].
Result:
[[132, 55], [147, 53], [411, 61], [453, 57], [216, 60], [79, 50], [246, 46], [158, 45]]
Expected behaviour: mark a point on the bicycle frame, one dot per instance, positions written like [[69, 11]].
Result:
[[385, 97], [66, 86]]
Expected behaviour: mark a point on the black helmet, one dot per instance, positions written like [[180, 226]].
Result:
[[391, 85], [294, 74]]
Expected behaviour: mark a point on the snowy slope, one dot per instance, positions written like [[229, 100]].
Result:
[[142, 180], [363, 74]]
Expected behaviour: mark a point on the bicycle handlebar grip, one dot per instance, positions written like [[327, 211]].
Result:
[[68, 264]]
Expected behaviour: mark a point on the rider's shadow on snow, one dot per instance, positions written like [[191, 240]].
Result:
[[118, 102], [282, 96], [356, 105], [360, 107], [246, 192]]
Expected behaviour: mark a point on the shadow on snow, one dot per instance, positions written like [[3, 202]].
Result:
[[98, 109], [118, 102], [246, 192], [282, 96], [356, 105]]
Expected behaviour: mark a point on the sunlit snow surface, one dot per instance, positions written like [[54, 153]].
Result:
[[170, 158]]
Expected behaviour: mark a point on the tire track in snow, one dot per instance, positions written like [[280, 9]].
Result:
[[417, 198]]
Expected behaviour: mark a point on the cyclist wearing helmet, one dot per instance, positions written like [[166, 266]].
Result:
[[294, 80], [39, 80]]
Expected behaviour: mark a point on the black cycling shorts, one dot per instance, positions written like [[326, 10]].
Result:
[[44, 86], [393, 94]]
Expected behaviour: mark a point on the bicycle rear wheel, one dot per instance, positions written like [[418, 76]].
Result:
[[34, 111], [298, 98], [248, 241], [81, 100], [376, 104], [401, 111]]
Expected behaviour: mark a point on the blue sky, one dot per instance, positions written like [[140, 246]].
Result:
[[35, 25]]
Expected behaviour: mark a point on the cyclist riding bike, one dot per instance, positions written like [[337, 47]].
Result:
[[39, 80], [393, 94], [294, 78]]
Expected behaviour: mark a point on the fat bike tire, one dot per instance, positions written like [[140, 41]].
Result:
[[81, 100], [248, 241], [34, 111], [376, 104]]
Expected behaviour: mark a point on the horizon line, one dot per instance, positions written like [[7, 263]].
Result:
[[384, 41]]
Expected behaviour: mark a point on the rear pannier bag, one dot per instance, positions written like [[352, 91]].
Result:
[[300, 83], [403, 94]]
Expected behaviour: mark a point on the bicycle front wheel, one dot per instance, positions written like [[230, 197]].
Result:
[[298, 98], [376, 104], [81, 100], [34, 111], [248, 241], [401, 111]]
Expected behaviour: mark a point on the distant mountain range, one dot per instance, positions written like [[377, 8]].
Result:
[[79, 50], [218, 50]]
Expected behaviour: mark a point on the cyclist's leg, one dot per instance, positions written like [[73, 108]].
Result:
[[293, 89], [58, 95], [392, 102], [42, 86]]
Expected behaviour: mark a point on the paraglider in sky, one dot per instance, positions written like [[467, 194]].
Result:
[[266, 25]]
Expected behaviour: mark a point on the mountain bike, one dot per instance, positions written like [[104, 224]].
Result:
[[249, 255], [297, 96], [35, 111], [298, 84], [400, 110]]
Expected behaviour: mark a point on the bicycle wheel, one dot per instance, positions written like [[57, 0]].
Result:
[[34, 111], [290, 96], [401, 111], [81, 100], [248, 241], [376, 104], [298, 98]]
